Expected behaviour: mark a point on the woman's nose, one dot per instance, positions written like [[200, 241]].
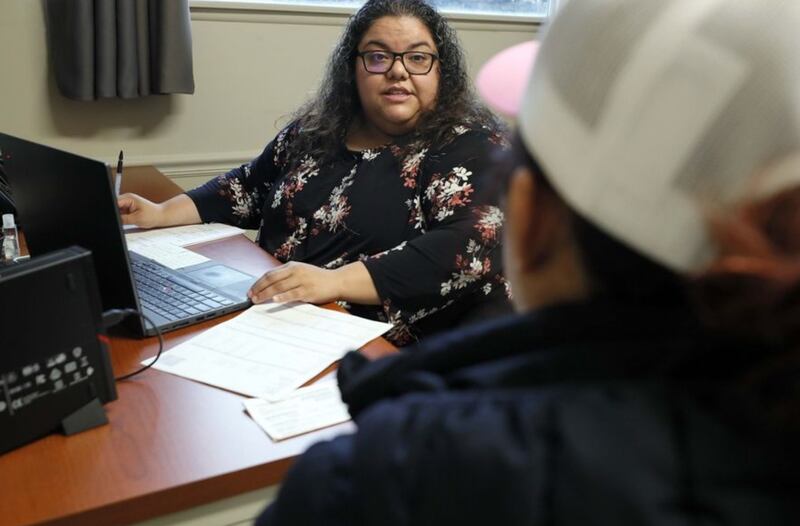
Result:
[[398, 69]]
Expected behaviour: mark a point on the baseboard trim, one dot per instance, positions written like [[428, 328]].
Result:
[[210, 165]]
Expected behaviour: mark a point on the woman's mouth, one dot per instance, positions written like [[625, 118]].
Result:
[[396, 95]]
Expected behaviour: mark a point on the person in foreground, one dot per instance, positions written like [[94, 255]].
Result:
[[369, 196], [653, 248]]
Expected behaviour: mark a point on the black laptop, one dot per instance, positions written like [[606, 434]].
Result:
[[64, 199]]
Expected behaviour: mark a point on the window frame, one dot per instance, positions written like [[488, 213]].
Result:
[[310, 9]]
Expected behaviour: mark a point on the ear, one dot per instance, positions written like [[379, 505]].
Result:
[[520, 214]]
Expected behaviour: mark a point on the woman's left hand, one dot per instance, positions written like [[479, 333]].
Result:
[[295, 281]]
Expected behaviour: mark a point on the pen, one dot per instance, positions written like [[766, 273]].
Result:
[[118, 182]]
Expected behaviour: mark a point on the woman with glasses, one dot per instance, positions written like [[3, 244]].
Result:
[[369, 195]]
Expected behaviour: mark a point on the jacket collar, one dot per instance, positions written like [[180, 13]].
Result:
[[592, 341]]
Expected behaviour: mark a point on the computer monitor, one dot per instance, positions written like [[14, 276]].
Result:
[[64, 199], [53, 188], [6, 199]]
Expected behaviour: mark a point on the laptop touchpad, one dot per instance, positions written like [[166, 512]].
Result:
[[223, 278]]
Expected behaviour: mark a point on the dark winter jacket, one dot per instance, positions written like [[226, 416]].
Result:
[[590, 413]]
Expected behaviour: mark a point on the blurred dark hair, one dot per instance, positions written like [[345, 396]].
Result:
[[750, 293], [325, 119], [754, 283], [614, 269]]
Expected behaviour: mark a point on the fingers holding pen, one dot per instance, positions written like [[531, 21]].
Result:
[[136, 210], [127, 205]]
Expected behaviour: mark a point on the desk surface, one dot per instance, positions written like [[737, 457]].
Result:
[[171, 444]]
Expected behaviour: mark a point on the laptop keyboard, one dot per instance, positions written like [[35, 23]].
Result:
[[171, 296]]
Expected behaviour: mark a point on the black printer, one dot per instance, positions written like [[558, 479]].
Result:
[[55, 373]]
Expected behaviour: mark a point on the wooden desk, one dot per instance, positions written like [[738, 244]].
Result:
[[172, 444]]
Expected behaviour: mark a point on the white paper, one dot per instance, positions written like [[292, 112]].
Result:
[[168, 255], [182, 236], [307, 409], [270, 350], [165, 244]]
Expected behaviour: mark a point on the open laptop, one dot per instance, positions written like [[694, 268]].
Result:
[[64, 199]]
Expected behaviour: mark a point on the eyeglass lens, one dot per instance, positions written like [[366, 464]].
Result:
[[415, 62]]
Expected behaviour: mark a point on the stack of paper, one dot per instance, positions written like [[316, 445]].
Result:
[[183, 236], [165, 245], [171, 256], [270, 350]]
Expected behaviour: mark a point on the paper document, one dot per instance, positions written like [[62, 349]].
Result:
[[165, 244], [182, 236], [270, 350], [307, 409], [168, 255]]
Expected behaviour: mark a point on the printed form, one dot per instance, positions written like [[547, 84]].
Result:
[[171, 256], [165, 245], [307, 409], [183, 236], [269, 350]]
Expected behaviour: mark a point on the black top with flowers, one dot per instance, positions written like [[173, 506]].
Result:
[[408, 212]]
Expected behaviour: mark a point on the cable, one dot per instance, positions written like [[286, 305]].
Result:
[[114, 316]]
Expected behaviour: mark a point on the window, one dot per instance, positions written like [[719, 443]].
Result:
[[526, 9]]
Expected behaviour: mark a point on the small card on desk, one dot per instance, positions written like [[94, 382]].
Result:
[[307, 409]]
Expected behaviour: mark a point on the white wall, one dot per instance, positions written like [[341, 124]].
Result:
[[252, 68]]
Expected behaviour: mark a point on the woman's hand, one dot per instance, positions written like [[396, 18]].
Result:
[[136, 210], [295, 281]]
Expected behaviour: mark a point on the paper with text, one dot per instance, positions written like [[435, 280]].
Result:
[[270, 350], [182, 236], [307, 409], [168, 255]]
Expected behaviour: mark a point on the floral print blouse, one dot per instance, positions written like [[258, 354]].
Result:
[[410, 213]]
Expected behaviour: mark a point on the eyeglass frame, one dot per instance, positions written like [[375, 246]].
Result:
[[395, 56]]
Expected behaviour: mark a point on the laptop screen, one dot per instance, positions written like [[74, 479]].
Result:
[[63, 199]]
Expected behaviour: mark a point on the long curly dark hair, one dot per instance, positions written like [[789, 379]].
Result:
[[325, 119]]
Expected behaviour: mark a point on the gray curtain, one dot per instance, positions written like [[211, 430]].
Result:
[[120, 48]]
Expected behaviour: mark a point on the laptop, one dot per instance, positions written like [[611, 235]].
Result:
[[63, 199]]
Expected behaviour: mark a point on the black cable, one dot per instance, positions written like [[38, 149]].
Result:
[[114, 316]]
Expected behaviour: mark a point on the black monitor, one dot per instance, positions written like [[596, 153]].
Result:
[[63, 199], [6, 200], [55, 372]]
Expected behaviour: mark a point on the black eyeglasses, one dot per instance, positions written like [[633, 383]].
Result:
[[415, 62]]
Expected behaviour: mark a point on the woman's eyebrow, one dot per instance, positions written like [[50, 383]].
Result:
[[383, 45]]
